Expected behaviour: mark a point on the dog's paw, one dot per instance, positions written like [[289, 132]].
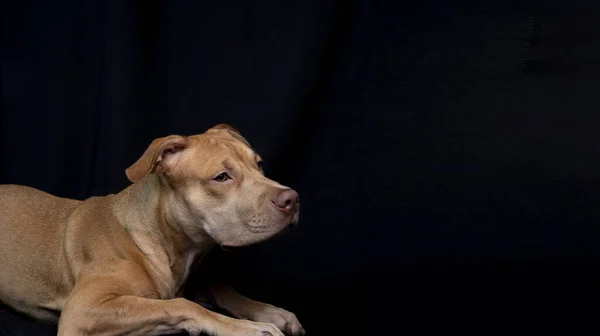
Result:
[[284, 320], [249, 328]]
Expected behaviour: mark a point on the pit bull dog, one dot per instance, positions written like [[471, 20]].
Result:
[[114, 265]]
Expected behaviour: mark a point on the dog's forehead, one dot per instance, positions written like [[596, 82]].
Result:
[[224, 141], [215, 149]]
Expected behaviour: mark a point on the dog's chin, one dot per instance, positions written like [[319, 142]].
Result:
[[235, 245], [247, 241], [229, 248]]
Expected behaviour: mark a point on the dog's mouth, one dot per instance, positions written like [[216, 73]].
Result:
[[235, 248]]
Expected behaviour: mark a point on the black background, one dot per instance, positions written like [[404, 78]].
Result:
[[446, 152]]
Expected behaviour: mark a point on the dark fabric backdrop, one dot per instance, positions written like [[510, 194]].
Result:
[[446, 152]]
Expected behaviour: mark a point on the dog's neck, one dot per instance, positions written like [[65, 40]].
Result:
[[146, 211]]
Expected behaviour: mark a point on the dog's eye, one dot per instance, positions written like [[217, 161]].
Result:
[[222, 177]]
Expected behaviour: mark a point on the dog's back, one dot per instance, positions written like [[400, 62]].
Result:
[[26, 214]]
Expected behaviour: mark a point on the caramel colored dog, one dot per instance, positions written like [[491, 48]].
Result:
[[114, 265]]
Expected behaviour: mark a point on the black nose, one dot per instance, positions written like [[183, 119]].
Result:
[[287, 201]]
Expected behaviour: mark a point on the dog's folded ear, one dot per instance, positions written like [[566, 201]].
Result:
[[232, 131], [225, 127], [159, 157]]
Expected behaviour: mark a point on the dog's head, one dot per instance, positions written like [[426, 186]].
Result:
[[214, 184]]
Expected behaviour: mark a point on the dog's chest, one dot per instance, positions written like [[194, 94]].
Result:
[[190, 260], [185, 267]]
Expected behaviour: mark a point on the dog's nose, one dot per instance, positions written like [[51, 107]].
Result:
[[287, 201]]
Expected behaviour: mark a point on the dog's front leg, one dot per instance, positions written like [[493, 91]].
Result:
[[92, 310], [245, 308]]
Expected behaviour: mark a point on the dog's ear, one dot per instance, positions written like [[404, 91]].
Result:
[[160, 157], [234, 133], [225, 127]]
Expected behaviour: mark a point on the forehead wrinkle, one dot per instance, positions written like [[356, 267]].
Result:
[[241, 153], [220, 147], [227, 164], [210, 155], [211, 165]]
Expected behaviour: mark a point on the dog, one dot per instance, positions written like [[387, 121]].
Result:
[[115, 264]]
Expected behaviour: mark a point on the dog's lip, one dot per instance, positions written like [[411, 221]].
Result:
[[291, 225]]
